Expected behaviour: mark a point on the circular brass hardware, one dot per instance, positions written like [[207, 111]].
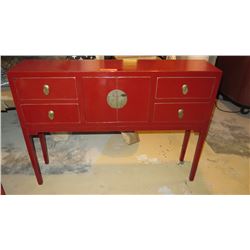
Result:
[[51, 115], [184, 89], [117, 99], [46, 89], [180, 113]]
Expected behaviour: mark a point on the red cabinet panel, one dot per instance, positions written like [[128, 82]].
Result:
[[172, 87], [138, 98], [33, 88], [192, 112], [63, 113], [95, 91]]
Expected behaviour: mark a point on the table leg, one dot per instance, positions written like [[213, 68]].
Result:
[[201, 139], [33, 157], [184, 145], [44, 147], [2, 190]]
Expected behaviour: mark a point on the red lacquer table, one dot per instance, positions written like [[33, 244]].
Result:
[[113, 95]]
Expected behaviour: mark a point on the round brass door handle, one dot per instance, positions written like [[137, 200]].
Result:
[[46, 89], [51, 115]]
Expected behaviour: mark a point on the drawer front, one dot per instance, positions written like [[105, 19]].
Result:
[[184, 87], [46, 88], [181, 112], [51, 113]]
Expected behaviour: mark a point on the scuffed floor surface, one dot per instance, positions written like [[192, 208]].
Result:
[[105, 164]]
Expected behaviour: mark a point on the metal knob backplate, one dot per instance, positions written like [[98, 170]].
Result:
[[46, 89], [117, 99], [184, 89], [180, 113], [51, 115]]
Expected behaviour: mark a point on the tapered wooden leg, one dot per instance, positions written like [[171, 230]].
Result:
[[44, 147], [2, 190], [201, 139], [184, 145], [32, 154]]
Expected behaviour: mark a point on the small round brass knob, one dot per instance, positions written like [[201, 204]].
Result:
[[184, 89], [180, 113], [46, 89], [51, 115]]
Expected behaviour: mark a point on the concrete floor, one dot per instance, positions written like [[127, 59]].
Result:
[[148, 167]]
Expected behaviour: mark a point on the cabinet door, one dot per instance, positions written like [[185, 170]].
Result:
[[137, 90], [95, 91]]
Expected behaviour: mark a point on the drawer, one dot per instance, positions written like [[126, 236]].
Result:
[[46, 88], [181, 112], [51, 113], [184, 87]]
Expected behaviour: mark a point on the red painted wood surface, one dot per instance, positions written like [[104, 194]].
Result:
[[138, 94], [73, 66], [95, 91], [63, 113], [42, 139], [184, 145], [79, 89], [33, 157], [201, 139], [59, 88], [195, 112], [198, 87]]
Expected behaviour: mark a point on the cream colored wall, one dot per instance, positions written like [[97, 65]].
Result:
[[211, 59], [193, 57]]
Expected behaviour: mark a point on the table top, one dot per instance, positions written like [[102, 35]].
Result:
[[57, 65]]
